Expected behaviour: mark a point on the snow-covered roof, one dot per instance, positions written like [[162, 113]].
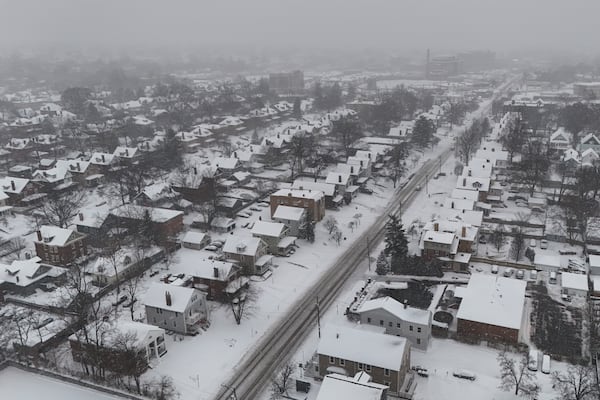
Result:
[[338, 178], [156, 296], [25, 272], [247, 246], [157, 191], [479, 168], [225, 162], [132, 211], [55, 236], [560, 136], [493, 300], [394, 307], [460, 204], [222, 222], [473, 183], [363, 346], [326, 188], [591, 139], [52, 175], [594, 260], [289, 213], [308, 194], [13, 185], [547, 260], [76, 166], [193, 237], [574, 281], [125, 152], [102, 158], [464, 194], [110, 332], [208, 269], [337, 386], [438, 237], [272, 229]]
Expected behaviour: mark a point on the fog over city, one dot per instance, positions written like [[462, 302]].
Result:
[[381, 24]]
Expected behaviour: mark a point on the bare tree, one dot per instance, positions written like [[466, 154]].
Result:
[[131, 362], [241, 300], [131, 287], [533, 167], [514, 375], [59, 210], [330, 224], [164, 388], [337, 236], [281, 382], [517, 246], [578, 383]]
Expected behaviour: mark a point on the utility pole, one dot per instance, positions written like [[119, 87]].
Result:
[[427, 184], [319, 317], [369, 252]]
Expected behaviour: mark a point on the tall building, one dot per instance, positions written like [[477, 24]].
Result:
[[287, 82], [442, 67]]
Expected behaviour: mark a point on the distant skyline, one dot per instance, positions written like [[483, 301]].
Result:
[[391, 25]]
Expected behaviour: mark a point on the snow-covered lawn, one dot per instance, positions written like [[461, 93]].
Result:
[[18, 384]]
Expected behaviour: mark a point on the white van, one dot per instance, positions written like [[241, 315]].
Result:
[[532, 362], [543, 244], [494, 269], [520, 274], [508, 272], [546, 364], [532, 243], [553, 277]]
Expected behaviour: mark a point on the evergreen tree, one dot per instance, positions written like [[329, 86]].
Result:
[[396, 244], [307, 231], [382, 265], [146, 230], [422, 133]]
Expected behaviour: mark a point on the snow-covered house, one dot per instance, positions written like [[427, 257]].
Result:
[[218, 279], [398, 319], [195, 240], [60, 246], [78, 169], [342, 181], [16, 189], [156, 195], [101, 162], [176, 308], [24, 277], [332, 198], [575, 284], [292, 217], [57, 178], [348, 351], [275, 235], [359, 387], [226, 165], [560, 140], [311, 200], [166, 224], [589, 141], [250, 253], [547, 262], [222, 224], [112, 343], [126, 154], [589, 157], [594, 264], [480, 185], [492, 308], [402, 130]]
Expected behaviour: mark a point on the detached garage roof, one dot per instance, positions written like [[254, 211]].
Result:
[[493, 300]]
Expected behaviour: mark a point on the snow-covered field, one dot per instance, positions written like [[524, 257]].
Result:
[[18, 384]]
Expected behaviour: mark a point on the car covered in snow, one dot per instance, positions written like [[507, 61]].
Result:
[[464, 374]]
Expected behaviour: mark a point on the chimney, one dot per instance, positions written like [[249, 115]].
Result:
[[452, 205], [103, 160], [81, 216], [13, 185], [339, 178], [352, 169], [78, 166], [195, 171], [127, 152], [464, 181], [39, 236], [215, 272], [337, 335], [235, 154], [464, 231], [405, 304], [436, 226], [168, 299], [469, 172]]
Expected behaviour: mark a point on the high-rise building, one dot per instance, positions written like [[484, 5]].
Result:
[[287, 82]]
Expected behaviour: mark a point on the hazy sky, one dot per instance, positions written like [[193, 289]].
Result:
[[389, 24]]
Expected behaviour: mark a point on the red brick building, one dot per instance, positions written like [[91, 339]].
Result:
[[311, 200], [58, 246], [166, 223]]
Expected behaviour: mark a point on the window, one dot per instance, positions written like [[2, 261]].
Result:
[[369, 320], [331, 360], [381, 322], [419, 329], [418, 341], [410, 328], [360, 366], [342, 362], [398, 325], [368, 367], [386, 372], [390, 324]]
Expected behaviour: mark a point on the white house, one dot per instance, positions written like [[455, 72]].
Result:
[[575, 284], [560, 140], [549, 263]]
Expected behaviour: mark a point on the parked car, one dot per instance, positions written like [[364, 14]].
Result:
[[532, 362], [520, 274], [508, 272], [464, 374], [250, 225], [543, 244], [532, 243], [546, 364], [418, 188], [210, 247], [365, 190], [566, 297], [494, 269], [482, 239], [217, 243], [244, 214], [567, 252], [256, 208], [552, 277], [533, 275], [263, 205]]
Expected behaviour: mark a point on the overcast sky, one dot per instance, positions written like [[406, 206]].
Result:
[[389, 24]]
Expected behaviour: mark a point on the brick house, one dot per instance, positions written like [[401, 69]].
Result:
[[215, 278], [385, 358], [60, 246], [311, 200], [17, 189], [492, 308], [166, 223]]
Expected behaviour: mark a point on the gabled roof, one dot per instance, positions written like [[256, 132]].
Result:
[[194, 237], [560, 136], [394, 307], [111, 331], [363, 346], [242, 245], [7, 184], [158, 215], [272, 229], [308, 194], [55, 236], [337, 178], [75, 166], [180, 297], [336, 387], [225, 162], [102, 158], [326, 188], [289, 213], [590, 139], [125, 152], [52, 175]]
